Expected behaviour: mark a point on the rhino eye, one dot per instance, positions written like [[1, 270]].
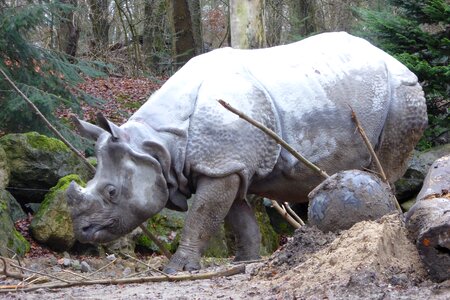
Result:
[[110, 191]]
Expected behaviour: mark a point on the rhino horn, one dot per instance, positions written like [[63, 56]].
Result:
[[115, 131]]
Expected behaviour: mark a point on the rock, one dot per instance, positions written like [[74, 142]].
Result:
[[10, 238], [4, 170], [37, 163], [410, 184], [15, 211], [111, 257], [85, 267], [76, 265], [349, 197], [123, 245], [52, 224]]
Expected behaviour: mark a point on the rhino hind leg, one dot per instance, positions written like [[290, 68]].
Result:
[[242, 221], [404, 126], [214, 198]]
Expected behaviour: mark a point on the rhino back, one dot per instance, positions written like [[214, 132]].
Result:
[[304, 92]]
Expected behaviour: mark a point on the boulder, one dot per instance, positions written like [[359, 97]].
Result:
[[4, 169], [349, 197], [15, 210], [11, 241], [52, 224], [410, 184], [37, 163]]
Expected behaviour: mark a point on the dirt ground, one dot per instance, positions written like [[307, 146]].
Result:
[[371, 260]]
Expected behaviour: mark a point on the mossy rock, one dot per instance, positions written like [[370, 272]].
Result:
[[52, 224], [15, 210], [11, 241], [37, 162], [166, 226], [4, 169]]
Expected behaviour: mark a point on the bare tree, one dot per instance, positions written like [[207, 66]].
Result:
[[247, 24], [183, 37], [99, 17], [69, 31]]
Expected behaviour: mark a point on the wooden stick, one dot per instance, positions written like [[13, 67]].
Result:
[[68, 144], [156, 241], [228, 272], [293, 214], [275, 137], [40, 273], [373, 154], [47, 123], [285, 215], [147, 265]]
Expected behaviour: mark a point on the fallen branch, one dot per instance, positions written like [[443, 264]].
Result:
[[74, 150], [47, 123], [293, 214], [147, 265], [228, 272], [373, 155], [156, 241], [286, 215], [7, 273]]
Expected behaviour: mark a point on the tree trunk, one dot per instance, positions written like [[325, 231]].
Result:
[[247, 24], [196, 18], [303, 17], [274, 21], [69, 32], [100, 25], [183, 44], [428, 221], [155, 48]]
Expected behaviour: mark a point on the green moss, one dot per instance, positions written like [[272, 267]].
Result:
[[43, 142], [62, 185]]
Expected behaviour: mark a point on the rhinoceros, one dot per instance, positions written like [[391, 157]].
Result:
[[183, 142]]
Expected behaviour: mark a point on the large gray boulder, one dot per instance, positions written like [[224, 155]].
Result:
[[36, 163], [4, 169], [410, 184], [52, 224], [11, 241], [15, 210]]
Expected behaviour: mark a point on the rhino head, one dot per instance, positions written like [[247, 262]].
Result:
[[127, 189]]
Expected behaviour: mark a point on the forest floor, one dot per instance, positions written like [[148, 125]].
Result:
[[371, 260]]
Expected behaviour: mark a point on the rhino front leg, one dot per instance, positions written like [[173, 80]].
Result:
[[213, 199], [241, 219]]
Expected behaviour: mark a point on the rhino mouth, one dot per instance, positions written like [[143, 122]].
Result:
[[97, 233]]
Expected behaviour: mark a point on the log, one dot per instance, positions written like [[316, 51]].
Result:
[[428, 221]]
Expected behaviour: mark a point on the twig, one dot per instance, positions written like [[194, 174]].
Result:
[[284, 213], [40, 273], [47, 123], [275, 137], [145, 264], [68, 144], [76, 274], [156, 241], [373, 154], [102, 268], [229, 272], [293, 214], [10, 274]]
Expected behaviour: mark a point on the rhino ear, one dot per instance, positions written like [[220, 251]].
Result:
[[115, 131], [177, 201], [86, 129]]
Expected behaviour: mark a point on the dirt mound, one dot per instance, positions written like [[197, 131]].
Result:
[[369, 261]]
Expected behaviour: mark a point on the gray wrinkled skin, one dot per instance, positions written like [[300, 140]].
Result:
[[183, 142]]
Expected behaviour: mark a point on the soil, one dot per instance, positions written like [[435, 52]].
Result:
[[371, 260]]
